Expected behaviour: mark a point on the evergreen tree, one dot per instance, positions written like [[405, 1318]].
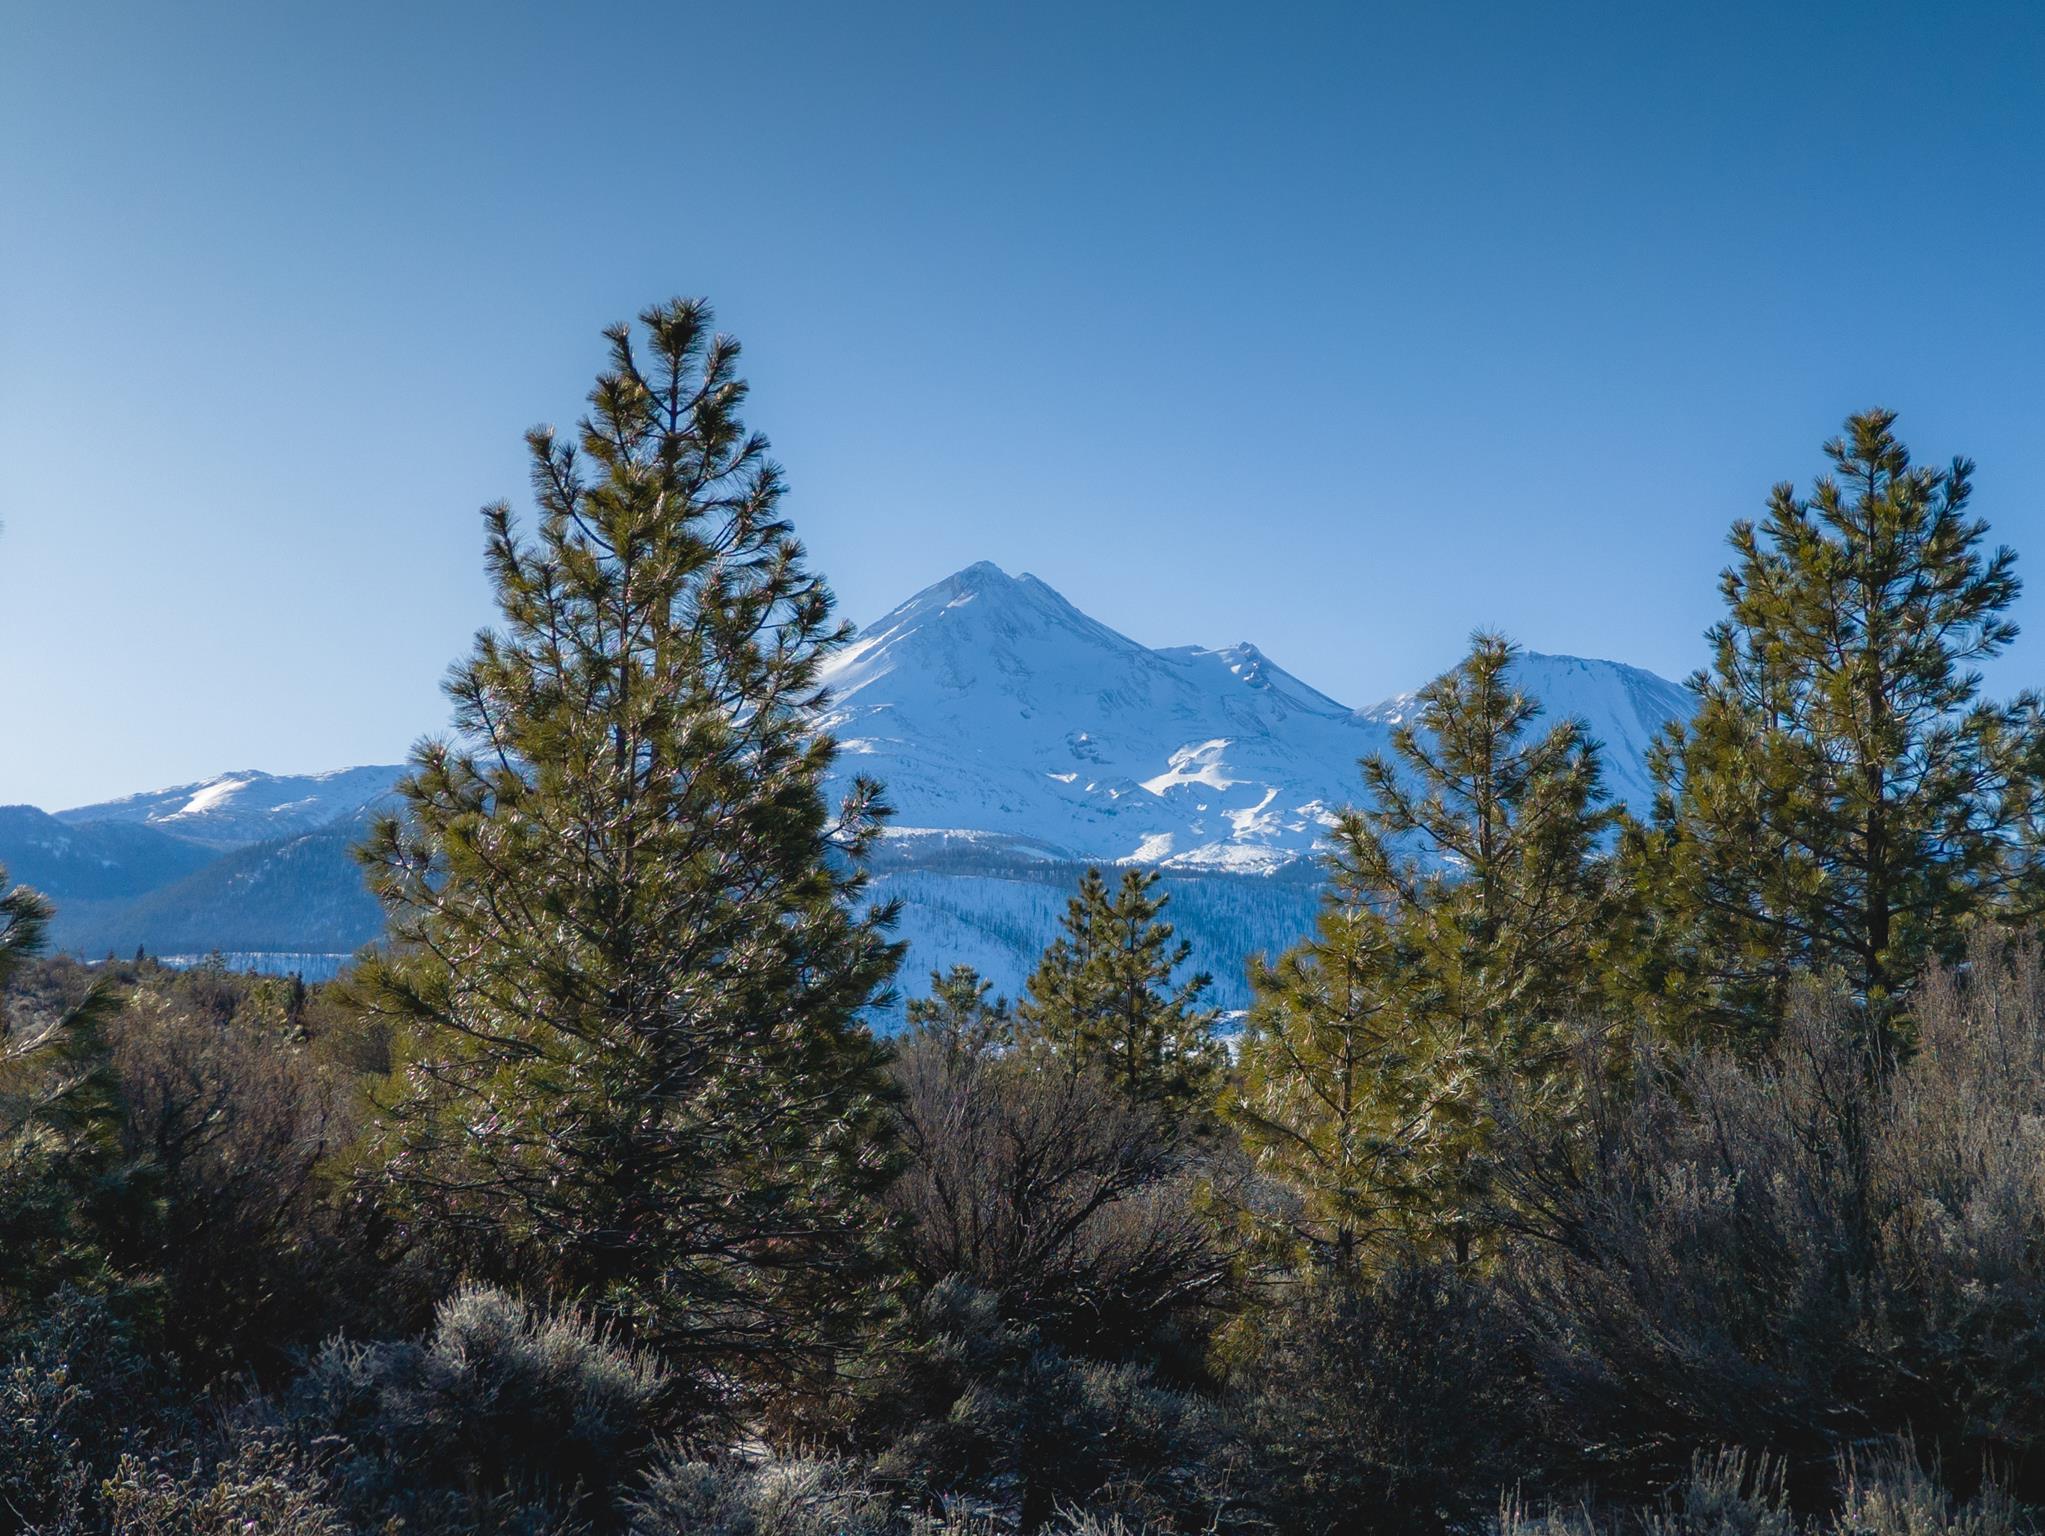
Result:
[[628, 957], [961, 1012], [1328, 1094], [1485, 837], [24, 929], [1844, 799], [67, 1195], [1104, 998], [1481, 840]]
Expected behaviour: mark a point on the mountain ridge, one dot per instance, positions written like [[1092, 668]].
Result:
[[246, 805], [1019, 739], [1183, 756]]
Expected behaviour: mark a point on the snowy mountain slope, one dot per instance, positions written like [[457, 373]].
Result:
[[999, 920], [236, 809], [1018, 738], [1625, 708], [987, 703]]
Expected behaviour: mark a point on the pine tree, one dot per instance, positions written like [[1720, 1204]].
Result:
[[1844, 800], [1483, 843], [961, 1011], [67, 1193], [628, 955], [24, 929], [1486, 837], [1328, 1095], [1104, 998]]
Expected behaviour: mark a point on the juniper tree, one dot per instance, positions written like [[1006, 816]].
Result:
[[628, 948], [1844, 800], [1482, 840], [1105, 997]]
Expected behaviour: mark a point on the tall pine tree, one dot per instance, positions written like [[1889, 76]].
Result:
[[1482, 840], [1844, 801], [1105, 997], [628, 949]]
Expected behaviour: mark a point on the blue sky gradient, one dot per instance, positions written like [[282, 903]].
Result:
[[1341, 329]]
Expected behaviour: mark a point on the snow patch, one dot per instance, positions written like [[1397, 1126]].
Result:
[[1200, 764]]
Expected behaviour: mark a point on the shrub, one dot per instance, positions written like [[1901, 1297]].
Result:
[[234, 1119], [1050, 1192], [1893, 1496], [967, 1406], [1732, 1494], [44, 1468], [73, 1393], [1814, 1250], [502, 1409], [260, 1490], [775, 1498], [1390, 1404]]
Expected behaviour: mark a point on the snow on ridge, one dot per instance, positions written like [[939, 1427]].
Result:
[[1200, 765], [247, 806], [1000, 717], [1011, 713], [211, 798]]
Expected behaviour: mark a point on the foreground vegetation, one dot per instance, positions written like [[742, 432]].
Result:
[[1576, 1173]]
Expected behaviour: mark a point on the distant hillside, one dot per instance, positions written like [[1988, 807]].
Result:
[[296, 895], [95, 861], [236, 809]]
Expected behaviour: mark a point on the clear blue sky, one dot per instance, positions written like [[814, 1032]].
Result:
[[1341, 329]]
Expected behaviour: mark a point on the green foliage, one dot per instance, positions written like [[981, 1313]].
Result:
[[1104, 997], [960, 1012], [1465, 920], [1329, 1097], [1845, 799], [1483, 838], [627, 955], [68, 1192]]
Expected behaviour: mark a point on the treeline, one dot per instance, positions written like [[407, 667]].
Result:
[[1574, 1173]]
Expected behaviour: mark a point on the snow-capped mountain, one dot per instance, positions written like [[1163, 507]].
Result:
[[1017, 738], [236, 809], [995, 711]]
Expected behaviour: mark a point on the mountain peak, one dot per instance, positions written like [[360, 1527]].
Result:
[[980, 609], [981, 573], [985, 578]]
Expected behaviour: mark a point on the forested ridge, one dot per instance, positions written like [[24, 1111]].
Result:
[[1574, 1170]]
